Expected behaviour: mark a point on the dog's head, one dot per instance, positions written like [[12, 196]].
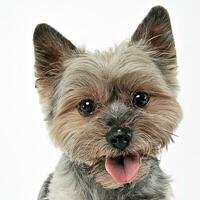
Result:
[[114, 110]]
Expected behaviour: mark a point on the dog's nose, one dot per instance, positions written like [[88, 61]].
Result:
[[119, 137]]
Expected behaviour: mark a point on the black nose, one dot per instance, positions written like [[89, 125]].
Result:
[[119, 137]]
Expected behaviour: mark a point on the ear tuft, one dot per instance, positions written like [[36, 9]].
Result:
[[154, 35], [50, 45], [155, 32], [51, 49]]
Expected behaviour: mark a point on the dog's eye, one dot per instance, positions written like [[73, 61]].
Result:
[[140, 99], [86, 107]]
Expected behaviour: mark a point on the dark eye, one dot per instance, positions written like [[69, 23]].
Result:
[[86, 107], [140, 99]]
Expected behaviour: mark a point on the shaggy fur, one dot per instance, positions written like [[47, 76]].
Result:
[[66, 75]]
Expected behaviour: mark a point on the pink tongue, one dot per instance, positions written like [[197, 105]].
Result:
[[123, 172]]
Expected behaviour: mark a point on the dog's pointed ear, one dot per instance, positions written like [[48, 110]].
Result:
[[51, 49], [154, 35]]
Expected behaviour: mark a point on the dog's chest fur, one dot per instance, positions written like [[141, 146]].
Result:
[[72, 182]]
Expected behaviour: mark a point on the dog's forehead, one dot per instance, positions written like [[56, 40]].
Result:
[[117, 60], [102, 68]]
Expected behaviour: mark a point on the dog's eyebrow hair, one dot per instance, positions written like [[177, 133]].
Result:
[[114, 90]]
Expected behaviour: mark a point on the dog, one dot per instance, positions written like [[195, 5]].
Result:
[[111, 113]]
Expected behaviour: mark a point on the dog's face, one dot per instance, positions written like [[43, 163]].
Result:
[[116, 110]]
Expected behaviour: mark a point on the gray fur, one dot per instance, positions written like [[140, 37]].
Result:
[[45, 188], [118, 114]]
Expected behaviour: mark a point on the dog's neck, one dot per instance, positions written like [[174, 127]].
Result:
[[70, 181]]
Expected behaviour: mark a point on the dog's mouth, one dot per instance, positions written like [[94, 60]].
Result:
[[123, 169]]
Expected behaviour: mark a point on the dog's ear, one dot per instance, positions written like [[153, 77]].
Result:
[[154, 36], [51, 49]]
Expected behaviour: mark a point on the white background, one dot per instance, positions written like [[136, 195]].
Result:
[[26, 153]]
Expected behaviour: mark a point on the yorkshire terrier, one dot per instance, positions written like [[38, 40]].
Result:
[[110, 113]]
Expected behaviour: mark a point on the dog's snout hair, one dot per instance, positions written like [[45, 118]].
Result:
[[118, 114]]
